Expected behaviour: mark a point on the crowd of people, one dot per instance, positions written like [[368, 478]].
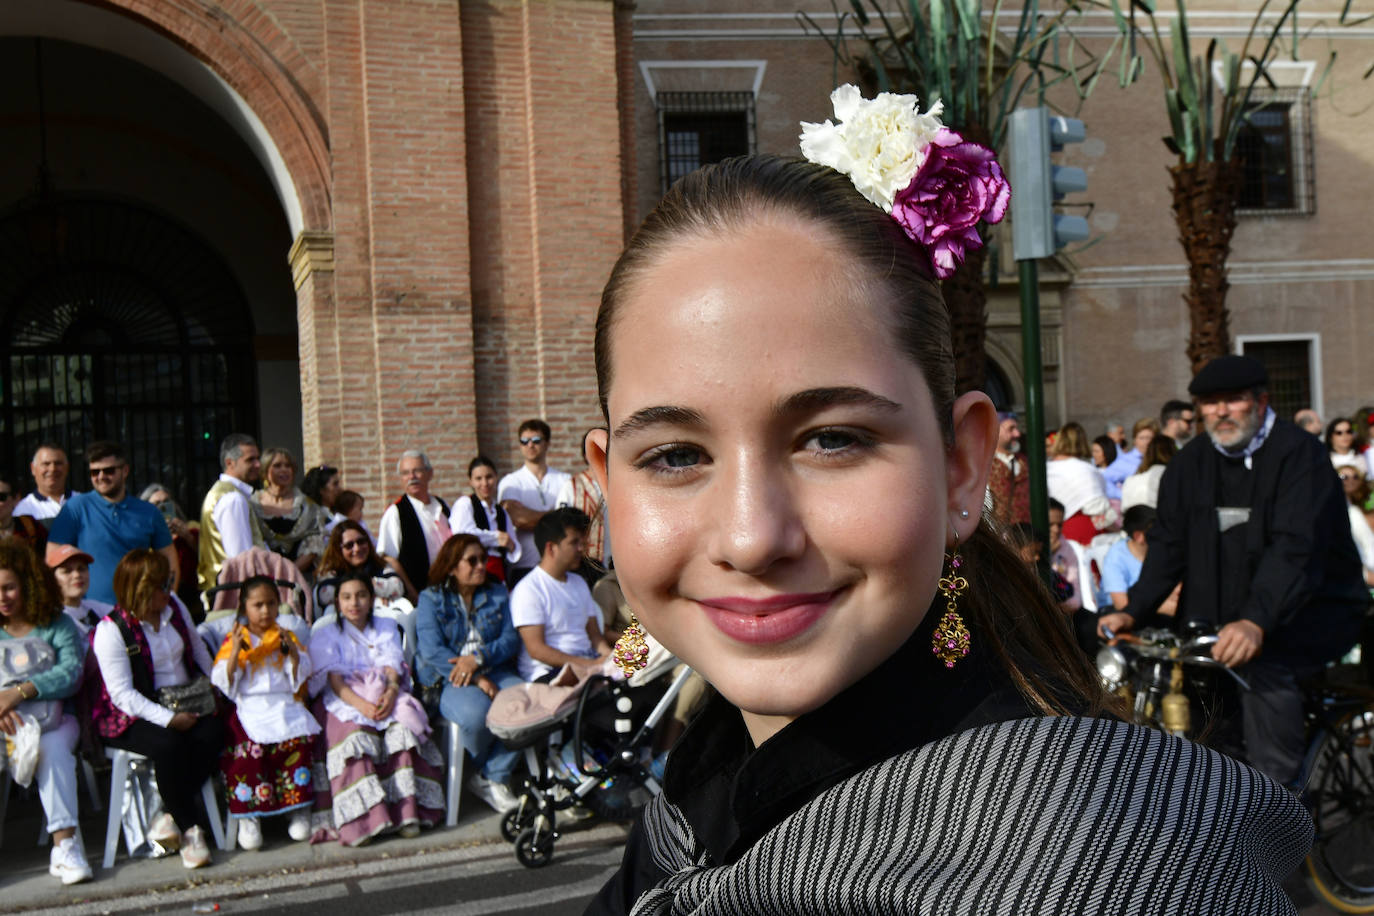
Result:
[[328, 726]]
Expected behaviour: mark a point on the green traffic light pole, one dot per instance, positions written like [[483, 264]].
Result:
[[1035, 393]]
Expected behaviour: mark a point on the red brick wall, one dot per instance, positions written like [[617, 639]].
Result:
[[467, 160]]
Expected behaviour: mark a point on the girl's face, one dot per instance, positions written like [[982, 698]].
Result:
[[779, 492], [355, 603], [471, 570], [357, 513], [1099, 456], [1143, 439], [73, 579], [483, 480], [330, 491], [356, 548], [11, 596], [260, 609]]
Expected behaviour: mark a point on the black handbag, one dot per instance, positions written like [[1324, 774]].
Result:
[[197, 697]]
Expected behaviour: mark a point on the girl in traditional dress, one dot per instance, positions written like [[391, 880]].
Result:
[[795, 494], [381, 770], [268, 763]]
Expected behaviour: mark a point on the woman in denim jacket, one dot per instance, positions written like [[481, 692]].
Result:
[[467, 645]]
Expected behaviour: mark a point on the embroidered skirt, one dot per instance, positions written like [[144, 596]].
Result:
[[261, 779], [373, 782]]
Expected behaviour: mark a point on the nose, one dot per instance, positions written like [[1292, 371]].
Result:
[[755, 518]]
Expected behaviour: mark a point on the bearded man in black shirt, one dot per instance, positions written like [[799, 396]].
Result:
[[1252, 520]]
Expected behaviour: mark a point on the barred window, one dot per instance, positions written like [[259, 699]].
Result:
[[697, 128], [1289, 364], [1275, 149]]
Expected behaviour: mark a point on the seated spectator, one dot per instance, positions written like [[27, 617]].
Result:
[[185, 541], [415, 526], [1121, 568], [140, 648], [553, 611], [350, 505], [292, 525], [351, 550], [1076, 484], [376, 769], [1103, 452], [482, 516], [1142, 487], [467, 647], [23, 527], [1062, 557], [322, 486], [1128, 462], [267, 764], [1357, 491], [29, 610], [72, 570], [1344, 446]]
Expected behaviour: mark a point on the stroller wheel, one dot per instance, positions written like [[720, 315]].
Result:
[[512, 822], [534, 848]]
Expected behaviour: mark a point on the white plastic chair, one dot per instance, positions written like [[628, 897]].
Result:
[[7, 783], [453, 784], [119, 780], [1087, 590]]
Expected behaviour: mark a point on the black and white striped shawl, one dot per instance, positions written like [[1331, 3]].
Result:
[[1034, 816]]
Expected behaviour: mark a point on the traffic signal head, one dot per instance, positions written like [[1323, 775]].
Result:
[[1036, 183]]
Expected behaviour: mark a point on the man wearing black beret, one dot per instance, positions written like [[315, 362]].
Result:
[[1252, 519]]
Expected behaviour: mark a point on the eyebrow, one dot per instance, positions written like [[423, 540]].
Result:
[[812, 400]]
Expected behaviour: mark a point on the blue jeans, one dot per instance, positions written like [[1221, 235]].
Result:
[[467, 706]]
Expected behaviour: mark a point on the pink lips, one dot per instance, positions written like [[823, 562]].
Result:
[[762, 621]]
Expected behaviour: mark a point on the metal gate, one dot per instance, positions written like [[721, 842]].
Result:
[[119, 324]]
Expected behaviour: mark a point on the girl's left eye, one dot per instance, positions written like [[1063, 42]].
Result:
[[829, 442]]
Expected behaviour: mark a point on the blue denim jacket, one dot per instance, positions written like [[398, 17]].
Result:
[[441, 628]]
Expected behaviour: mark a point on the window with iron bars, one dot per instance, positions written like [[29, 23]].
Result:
[[1289, 366], [698, 128], [1275, 149]]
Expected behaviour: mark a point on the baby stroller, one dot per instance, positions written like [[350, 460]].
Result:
[[597, 748]]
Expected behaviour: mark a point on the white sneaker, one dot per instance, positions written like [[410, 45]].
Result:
[[194, 852], [68, 862], [164, 833], [250, 833], [495, 794], [299, 826]]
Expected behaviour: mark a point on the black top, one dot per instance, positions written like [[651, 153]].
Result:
[[1290, 566], [733, 793]]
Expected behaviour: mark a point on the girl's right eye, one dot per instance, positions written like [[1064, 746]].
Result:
[[671, 459]]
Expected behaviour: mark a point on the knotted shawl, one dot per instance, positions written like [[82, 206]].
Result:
[[1034, 816]]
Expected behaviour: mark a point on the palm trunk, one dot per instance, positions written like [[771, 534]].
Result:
[[968, 321], [1205, 195]]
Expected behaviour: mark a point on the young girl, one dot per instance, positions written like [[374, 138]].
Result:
[[377, 770], [71, 568], [268, 762], [795, 497]]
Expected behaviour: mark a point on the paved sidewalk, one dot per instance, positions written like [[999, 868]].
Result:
[[26, 886]]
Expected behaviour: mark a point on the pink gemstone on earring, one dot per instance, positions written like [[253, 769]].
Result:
[[949, 664], [956, 562]]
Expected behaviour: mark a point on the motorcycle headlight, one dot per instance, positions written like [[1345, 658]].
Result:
[[1111, 666]]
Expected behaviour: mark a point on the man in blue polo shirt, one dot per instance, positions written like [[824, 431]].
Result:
[[108, 522]]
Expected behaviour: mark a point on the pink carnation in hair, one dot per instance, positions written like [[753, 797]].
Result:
[[958, 185]]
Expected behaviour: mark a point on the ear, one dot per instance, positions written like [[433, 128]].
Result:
[[968, 459], [598, 446]]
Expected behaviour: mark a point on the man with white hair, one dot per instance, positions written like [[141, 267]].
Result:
[[1253, 522], [49, 468], [415, 526]]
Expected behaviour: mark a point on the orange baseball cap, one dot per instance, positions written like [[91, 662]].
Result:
[[61, 553]]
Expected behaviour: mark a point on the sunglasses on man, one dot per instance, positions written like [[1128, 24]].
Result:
[[531, 440]]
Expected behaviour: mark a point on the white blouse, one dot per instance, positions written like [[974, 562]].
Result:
[[1078, 485], [265, 697], [347, 651], [169, 664]]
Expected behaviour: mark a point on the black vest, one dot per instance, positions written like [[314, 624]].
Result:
[[479, 517], [414, 550]]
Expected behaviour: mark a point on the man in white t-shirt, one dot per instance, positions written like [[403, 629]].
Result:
[[49, 468], [415, 526], [552, 608], [527, 494]]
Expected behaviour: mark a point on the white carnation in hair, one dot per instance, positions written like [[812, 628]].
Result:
[[880, 143]]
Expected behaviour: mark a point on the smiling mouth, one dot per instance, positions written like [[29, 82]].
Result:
[[771, 620]]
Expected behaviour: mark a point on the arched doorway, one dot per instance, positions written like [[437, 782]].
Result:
[[122, 324]]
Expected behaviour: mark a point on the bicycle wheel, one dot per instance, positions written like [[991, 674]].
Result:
[[1340, 867]]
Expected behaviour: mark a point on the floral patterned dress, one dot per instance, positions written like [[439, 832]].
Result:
[[268, 763]]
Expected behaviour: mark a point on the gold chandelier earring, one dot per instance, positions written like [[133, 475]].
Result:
[[631, 652], [951, 640]]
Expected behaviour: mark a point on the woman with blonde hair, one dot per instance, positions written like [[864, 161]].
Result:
[[1071, 478], [291, 523]]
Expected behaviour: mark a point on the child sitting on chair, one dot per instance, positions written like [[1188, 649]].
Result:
[[267, 763]]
